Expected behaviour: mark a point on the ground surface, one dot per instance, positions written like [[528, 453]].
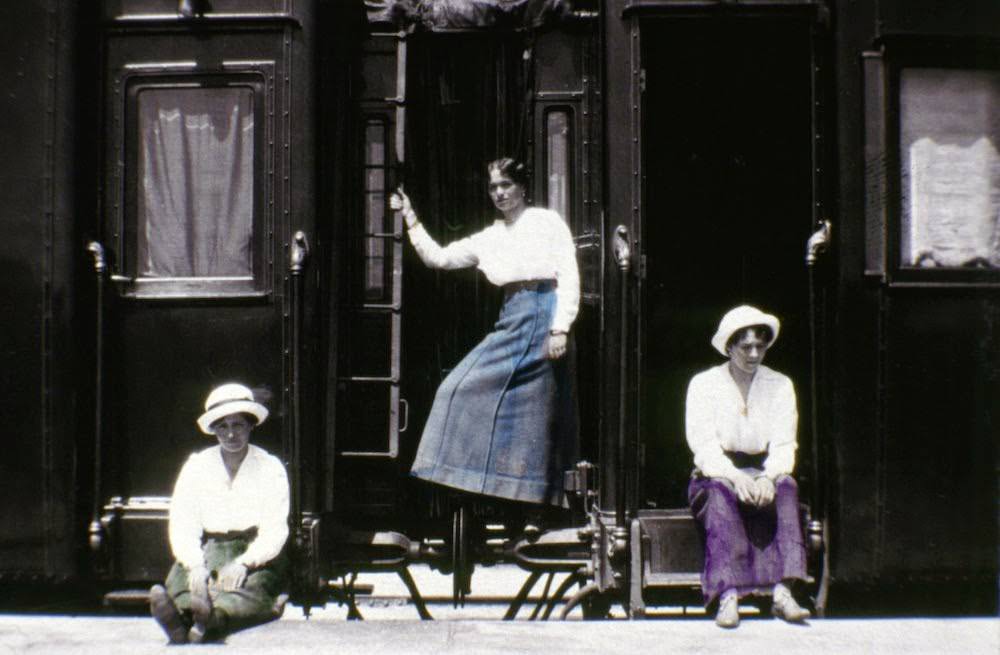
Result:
[[391, 626]]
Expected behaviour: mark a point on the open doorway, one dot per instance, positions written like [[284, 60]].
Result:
[[727, 129]]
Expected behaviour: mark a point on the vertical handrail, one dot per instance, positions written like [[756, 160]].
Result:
[[623, 257], [815, 530], [95, 531], [298, 260], [816, 244]]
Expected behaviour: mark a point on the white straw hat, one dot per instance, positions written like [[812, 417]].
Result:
[[229, 399], [742, 317]]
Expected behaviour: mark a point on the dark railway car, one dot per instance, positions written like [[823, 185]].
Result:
[[195, 191]]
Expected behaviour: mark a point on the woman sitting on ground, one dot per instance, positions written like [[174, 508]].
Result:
[[228, 527]]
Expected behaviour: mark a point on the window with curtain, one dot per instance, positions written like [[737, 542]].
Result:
[[195, 183], [950, 168]]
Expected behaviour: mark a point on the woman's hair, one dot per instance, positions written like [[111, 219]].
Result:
[[762, 331], [510, 167]]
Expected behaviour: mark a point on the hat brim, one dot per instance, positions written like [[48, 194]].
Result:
[[256, 410], [727, 331]]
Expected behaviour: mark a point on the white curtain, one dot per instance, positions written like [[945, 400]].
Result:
[[195, 205]]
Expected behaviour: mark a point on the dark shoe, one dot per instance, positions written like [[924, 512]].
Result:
[[728, 615], [784, 607], [201, 612], [279, 605], [162, 608]]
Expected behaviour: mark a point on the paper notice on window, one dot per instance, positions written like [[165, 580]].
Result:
[[950, 131]]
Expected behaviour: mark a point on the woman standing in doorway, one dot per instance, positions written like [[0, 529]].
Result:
[[499, 421]]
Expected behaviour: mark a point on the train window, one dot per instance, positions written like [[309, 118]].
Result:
[[193, 206], [949, 158], [558, 161], [376, 261]]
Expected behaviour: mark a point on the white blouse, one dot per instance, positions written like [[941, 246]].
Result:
[[537, 246], [718, 420], [205, 500]]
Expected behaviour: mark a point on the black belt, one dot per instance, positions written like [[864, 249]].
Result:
[[746, 460], [233, 535]]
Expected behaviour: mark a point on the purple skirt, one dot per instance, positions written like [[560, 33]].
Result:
[[746, 548]]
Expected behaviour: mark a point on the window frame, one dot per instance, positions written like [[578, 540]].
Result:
[[125, 266], [898, 55]]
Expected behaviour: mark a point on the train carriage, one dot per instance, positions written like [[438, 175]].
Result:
[[197, 191]]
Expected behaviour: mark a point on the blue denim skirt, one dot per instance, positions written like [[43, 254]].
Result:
[[502, 423]]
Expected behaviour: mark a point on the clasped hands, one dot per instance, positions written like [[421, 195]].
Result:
[[229, 578], [758, 492]]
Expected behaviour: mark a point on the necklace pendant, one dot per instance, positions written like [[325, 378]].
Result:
[[743, 410]]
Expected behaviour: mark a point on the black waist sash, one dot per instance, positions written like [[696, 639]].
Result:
[[746, 460], [247, 535]]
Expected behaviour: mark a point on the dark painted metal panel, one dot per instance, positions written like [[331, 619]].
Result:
[[164, 360], [976, 18], [36, 196], [854, 403], [559, 62], [941, 391], [621, 177], [913, 419]]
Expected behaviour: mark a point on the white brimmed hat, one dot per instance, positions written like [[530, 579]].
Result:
[[742, 317], [229, 399]]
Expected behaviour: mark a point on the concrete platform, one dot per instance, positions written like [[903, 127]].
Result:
[[391, 626], [131, 636]]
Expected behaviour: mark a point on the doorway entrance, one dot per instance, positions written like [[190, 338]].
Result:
[[727, 130]]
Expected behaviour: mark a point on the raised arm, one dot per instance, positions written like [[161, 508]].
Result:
[[458, 254]]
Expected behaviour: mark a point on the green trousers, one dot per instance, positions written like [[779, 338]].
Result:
[[250, 605]]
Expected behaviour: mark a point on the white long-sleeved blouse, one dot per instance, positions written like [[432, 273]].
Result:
[[718, 420], [206, 500], [537, 246]]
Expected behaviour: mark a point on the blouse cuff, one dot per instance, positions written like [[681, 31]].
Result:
[[560, 324]]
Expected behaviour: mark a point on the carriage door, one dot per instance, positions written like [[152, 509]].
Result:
[[205, 187], [731, 198]]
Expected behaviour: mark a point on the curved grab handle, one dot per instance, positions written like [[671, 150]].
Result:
[[818, 242], [622, 250], [406, 415], [97, 251], [299, 253]]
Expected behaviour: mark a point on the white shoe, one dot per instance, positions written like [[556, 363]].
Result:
[[728, 615], [784, 607]]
